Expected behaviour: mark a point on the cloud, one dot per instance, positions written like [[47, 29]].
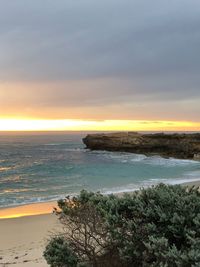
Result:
[[88, 54]]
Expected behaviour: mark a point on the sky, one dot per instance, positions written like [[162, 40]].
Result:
[[109, 64]]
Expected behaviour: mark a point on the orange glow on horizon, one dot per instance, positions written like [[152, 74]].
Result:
[[92, 125]]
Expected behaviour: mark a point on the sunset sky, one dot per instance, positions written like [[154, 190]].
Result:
[[100, 65]]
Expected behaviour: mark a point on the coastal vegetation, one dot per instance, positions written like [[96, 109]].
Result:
[[157, 226]]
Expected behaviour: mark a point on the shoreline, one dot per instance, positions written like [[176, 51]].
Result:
[[44, 208]]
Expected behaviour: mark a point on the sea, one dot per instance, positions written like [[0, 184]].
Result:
[[40, 167]]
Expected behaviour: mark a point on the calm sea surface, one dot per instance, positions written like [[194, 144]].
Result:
[[42, 167]]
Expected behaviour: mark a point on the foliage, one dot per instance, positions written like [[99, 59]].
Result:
[[59, 254], [158, 226]]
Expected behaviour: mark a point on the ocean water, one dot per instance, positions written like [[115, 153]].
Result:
[[43, 167]]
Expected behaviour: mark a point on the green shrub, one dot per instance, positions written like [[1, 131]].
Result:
[[158, 226], [59, 254]]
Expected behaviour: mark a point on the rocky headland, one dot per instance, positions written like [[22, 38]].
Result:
[[182, 146]]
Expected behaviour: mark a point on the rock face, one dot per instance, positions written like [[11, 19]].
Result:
[[183, 146]]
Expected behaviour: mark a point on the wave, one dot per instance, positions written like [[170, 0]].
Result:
[[76, 150], [19, 202], [156, 160], [124, 157], [147, 183], [4, 169], [10, 179], [55, 144], [191, 177]]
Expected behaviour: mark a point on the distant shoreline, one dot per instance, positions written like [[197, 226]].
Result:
[[167, 145]]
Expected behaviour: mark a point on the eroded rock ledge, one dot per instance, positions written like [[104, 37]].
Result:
[[183, 146]]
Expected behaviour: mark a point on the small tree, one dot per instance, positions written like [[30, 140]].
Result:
[[158, 226], [84, 228]]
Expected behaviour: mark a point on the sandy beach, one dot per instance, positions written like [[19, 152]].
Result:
[[22, 239], [25, 230]]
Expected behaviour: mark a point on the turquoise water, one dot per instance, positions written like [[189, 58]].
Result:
[[36, 168]]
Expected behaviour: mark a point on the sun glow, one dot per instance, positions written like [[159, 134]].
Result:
[[91, 125]]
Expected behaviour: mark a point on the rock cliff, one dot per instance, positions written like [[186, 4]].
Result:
[[183, 146]]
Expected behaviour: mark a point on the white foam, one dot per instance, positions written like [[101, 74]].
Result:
[[171, 162], [76, 150], [189, 177], [183, 180], [55, 144], [33, 200], [124, 157]]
